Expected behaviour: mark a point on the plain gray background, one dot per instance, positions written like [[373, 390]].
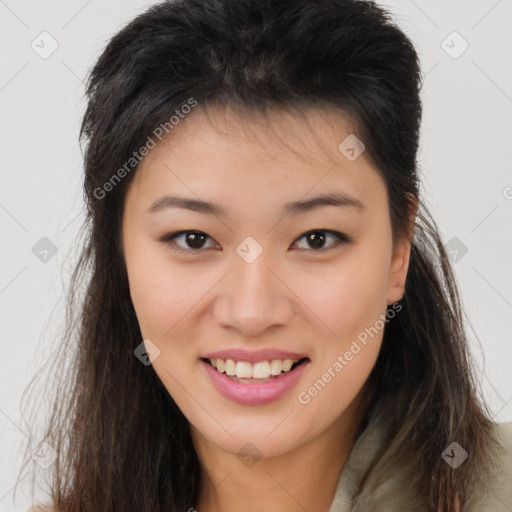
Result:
[[465, 160]]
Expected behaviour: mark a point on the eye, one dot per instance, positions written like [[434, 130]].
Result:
[[194, 240], [316, 238]]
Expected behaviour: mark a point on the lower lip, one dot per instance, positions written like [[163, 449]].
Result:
[[254, 393]]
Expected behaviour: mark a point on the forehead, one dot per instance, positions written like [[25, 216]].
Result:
[[282, 154]]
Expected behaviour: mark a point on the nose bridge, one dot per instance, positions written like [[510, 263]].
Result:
[[253, 298]]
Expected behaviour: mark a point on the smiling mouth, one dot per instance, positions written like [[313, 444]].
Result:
[[262, 371]]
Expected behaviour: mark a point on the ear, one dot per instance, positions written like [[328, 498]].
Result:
[[400, 259]]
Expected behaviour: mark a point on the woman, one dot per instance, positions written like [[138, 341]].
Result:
[[271, 321]]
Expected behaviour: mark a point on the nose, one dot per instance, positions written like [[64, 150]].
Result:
[[253, 297]]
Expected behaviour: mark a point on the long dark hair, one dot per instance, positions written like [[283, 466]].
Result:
[[121, 442]]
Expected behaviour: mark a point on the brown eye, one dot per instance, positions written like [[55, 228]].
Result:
[[194, 241], [189, 240], [316, 239]]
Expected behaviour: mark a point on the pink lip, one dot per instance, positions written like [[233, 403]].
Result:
[[254, 357], [254, 393]]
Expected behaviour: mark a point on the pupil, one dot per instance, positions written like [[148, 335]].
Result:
[[316, 239], [195, 240]]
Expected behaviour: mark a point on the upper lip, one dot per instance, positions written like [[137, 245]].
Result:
[[254, 356]]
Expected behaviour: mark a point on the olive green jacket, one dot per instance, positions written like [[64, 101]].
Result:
[[396, 496]]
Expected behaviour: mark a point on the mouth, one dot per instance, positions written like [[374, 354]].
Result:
[[254, 383], [257, 372]]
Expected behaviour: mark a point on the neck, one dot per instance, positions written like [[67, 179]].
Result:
[[302, 479]]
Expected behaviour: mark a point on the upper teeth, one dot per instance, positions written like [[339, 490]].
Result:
[[259, 370]]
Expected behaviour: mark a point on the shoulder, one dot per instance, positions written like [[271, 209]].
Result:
[[40, 507], [504, 431], [492, 493], [497, 492]]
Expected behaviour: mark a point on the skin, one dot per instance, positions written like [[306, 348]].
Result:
[[294, 296]]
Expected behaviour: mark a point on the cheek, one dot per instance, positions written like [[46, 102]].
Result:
[[164, 303], [349, 297], [152, 298], [351, 301], [163, 294]]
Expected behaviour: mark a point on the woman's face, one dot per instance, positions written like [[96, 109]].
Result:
[[249, 278]]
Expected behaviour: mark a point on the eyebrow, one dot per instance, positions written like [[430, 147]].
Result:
[[293, 208]]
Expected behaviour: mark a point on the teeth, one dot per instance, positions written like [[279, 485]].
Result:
[[259, 370], [287, 364], [275, 367], [230, 367]]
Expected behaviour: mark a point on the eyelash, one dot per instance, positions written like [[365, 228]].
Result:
[[169, 240]]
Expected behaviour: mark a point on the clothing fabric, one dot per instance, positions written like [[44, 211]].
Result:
[[395, 495]]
